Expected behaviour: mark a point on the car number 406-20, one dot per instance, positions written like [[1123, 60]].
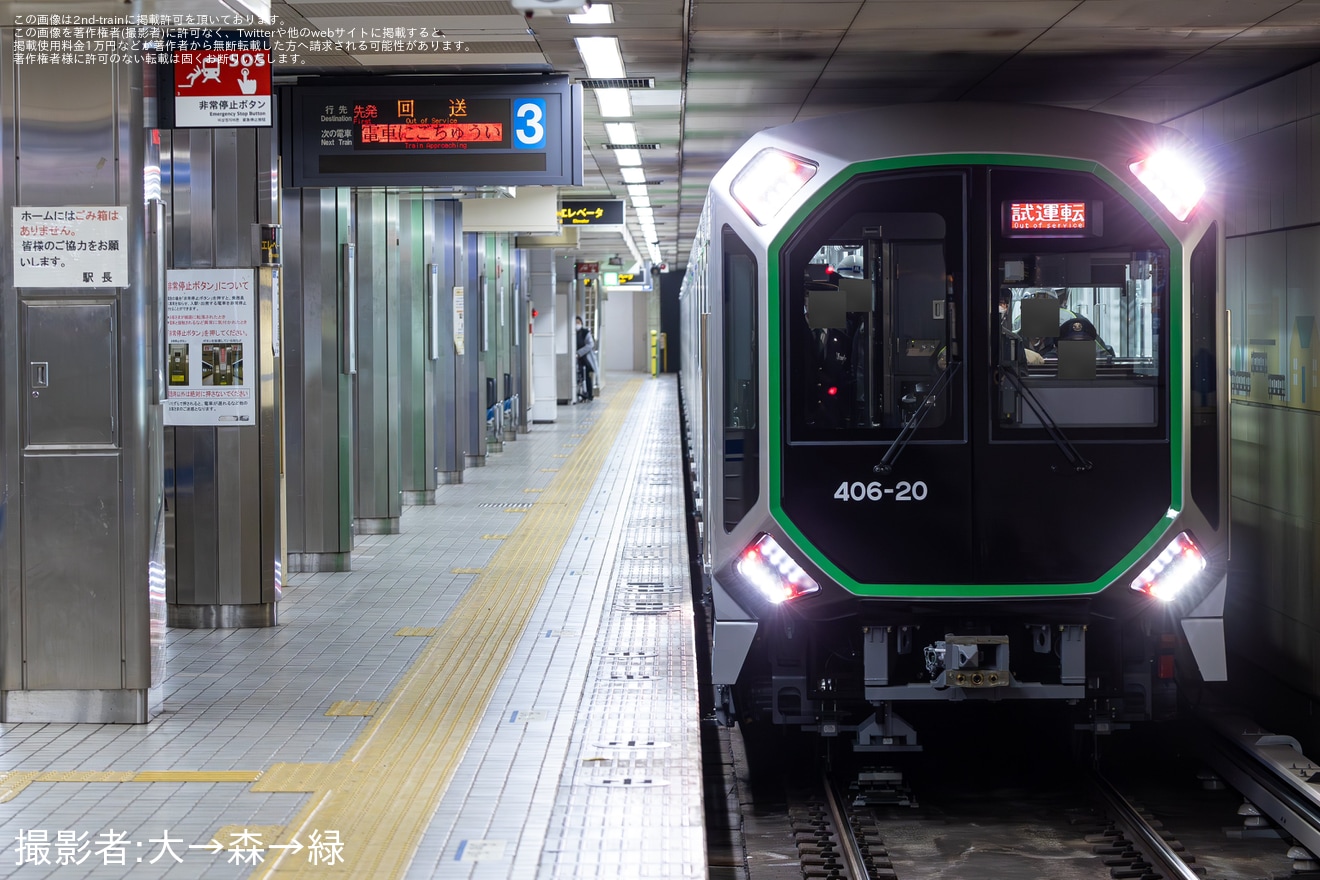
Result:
[[873, 491]]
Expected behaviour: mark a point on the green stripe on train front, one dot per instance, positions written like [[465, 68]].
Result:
[[774, 258]]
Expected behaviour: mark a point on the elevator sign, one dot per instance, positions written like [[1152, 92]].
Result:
[[594, 212], [219, 79]]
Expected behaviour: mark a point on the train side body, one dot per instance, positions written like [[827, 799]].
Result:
[[955, 384]]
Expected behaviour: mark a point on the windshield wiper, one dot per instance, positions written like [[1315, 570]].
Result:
[[1075, 458], [886, 464]]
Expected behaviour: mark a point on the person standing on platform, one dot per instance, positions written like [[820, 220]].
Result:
[[586, 362]]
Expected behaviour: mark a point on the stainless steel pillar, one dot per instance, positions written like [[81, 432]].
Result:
[[418, 351], [519, 338], [82, 593], [512, 341], [452, 415], [474, 385], [494, 343], [378, 502], [318, 362], [499, 314], [224, 516]]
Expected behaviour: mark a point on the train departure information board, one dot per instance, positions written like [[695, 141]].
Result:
[[435, 131]]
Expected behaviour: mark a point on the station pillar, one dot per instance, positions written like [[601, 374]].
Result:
[[377, 496], [224, 513], [319, 364], [82, 549], [448, 272]]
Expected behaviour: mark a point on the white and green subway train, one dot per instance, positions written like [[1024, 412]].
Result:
[[954, 382]]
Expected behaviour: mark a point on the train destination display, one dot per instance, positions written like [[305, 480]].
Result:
[[450, 131]]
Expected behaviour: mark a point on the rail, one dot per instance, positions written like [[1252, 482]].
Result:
[[1148, 839], [1269, 770]]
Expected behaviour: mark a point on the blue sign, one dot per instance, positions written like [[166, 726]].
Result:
[[529, 123]]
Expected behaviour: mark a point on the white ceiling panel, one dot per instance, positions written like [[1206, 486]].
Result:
[[1235, 14], [509, 25], [445, 61], [816, 16], [940, 14], [659, 98], [746, 94], [957, 40]]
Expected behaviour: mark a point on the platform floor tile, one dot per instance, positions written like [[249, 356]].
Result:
[[549, 752]]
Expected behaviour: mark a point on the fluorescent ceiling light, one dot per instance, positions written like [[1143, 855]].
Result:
[[599, 13], [613, 102], [621, 132], [637, 190], [601, 57], [641, 201], [628, 157], [634, 175]]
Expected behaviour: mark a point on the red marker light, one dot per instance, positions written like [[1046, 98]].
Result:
[[832, 390]]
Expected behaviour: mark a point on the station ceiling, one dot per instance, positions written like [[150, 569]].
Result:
[[725, 69]]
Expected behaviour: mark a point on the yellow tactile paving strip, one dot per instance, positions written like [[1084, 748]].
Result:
[[427, 631], [353, 707], [380, 797], [13, 782], [296, 777], [232, 837]]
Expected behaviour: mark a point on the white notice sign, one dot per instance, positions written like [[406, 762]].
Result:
[[71, 247], [211, 346], [458, 320]]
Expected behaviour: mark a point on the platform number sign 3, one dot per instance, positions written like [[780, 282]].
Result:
[[529, 123]]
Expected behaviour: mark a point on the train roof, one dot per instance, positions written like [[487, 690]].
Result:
[[836, 142], [962, 127]]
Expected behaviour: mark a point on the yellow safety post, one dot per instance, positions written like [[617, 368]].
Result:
[[653, 354]]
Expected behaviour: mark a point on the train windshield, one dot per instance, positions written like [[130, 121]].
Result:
[[1040, 290], [1081, 286], [872, 312]]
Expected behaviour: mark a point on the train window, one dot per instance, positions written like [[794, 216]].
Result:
[[1080, 337], [870, 308], [741, 445]]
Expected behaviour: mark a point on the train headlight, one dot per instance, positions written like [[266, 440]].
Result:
[[1172, 570], [1173, 179], [768, 181], [767, 567]]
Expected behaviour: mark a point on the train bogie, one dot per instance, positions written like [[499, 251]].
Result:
[[954, 380]]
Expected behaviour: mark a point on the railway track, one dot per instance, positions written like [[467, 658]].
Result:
[[1145, 815]]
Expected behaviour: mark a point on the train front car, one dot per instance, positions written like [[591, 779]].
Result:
[[965, 419]]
